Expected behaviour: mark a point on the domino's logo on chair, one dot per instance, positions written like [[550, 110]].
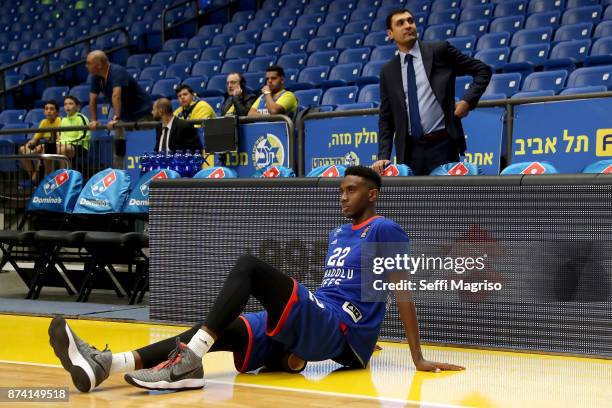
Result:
[[456, 169], [397, 170], [216, 173], [58, 192], [601, 167], [530, 168], [334, 170], [274, 172], [104, 193], [138, 200]]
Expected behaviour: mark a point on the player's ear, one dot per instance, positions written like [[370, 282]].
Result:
[[373, 195]]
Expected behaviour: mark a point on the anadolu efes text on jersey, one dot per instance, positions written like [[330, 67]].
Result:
[[341, 287]]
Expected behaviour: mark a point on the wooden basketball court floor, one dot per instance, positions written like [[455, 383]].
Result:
[[492, 378]]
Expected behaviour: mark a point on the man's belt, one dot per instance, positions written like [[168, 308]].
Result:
[[435, 136]]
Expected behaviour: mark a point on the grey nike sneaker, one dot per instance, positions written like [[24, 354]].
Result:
[[87, 365], [182, 371]]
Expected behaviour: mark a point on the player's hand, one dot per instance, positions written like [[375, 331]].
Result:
[[265, 90], [462, 108], [424, 365], [111, 125], [379, 165], [237, 91], [93, 124]]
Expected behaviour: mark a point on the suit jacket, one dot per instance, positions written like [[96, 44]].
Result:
[[242, 104], [443, 63], [183, 136]]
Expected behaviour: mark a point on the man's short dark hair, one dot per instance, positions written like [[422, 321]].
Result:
[[275, 68], [395, 13], [52, 102], [73, 98], [366, 173], [185, 86]]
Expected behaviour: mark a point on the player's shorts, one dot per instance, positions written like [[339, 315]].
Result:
[[306, 328]]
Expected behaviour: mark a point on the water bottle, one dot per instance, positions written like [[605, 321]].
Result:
[[179, 159], [187, 162], [144, 163], [198, 161], [156, 162], [171, 165]]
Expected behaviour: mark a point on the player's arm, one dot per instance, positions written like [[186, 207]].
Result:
[[275, 108], [116, 102], [408, 316]]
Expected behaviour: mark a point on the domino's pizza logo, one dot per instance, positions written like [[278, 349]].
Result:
[[534, 168], [218, 173], [607, 170], [144, 188], [272, 172], [103, 185], [56, 182], [458, 169], [391, 171], [331, 172]]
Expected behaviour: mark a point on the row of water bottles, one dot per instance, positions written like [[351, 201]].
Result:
[[186, 164]]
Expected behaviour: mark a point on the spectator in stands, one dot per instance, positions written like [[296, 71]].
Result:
[[34, 145], [176, 134], [274, 100], [239, 100], [129, 100], [191, 107], [417, 87], [73, 143]]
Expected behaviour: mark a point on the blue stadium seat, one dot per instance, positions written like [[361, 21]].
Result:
[[439, 32], [337, 17], [549, 80], [264, 15], [480, 12], [567, 54], [215, 102], [243, 16], [534, 54], [581, 3], [235, 65], [357, 27], [368, 3], [250, 36], [188, 56], [532, 94], [601, 52], [601, 166], [310, 19], [146, 84], [383, 52], [462, 84], [417, 6], [509, 24], [54, 92], [370, 93], [570, 32], [340, 95], [164, 58], [216, 86], [320, 44], [607, 15], [213, 53], [476, 28], [494, 57], [472, 3], [197, 83], [286, 23], [341, 5], [240, 51], [314, 8], [510, 8], [544, 19], [81, 92], [290, 11], [199, 42], [380, 24], [166, 87], [349, 41], [255, 80], [371, 73], [276, 34], [34, 116], [311, 77], [257, 26], [291, 75], [366, 13], [587, 14], [360, 55], [175, 45], [330, 29], [13, 116], [304, 32], [309, 97], [377, 38], [441, 5], [260, 64], [323, 58], [507, 84], [584, 89], [343, 74], [153, 73], [532, 36], [294, 47], [225, 40], [207, 69], [538, 6], [588, 76], [265, 49], [355, 106], [450, 16], [603, 29], [463, 44], [180, 71], [294, 61]]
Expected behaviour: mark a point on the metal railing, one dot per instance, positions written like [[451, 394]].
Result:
[[47, 67]]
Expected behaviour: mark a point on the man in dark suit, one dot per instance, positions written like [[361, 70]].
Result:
[[417, 99], [175, 134]]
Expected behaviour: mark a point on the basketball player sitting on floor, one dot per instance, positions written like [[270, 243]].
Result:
[[297, 326]]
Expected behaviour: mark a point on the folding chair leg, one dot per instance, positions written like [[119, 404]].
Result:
[[110, 270], [90, 274], [139, 282]]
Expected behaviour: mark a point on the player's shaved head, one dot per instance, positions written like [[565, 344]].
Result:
[[367, 174]]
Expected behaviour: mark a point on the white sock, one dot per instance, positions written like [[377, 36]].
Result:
[[122, 363], [200, 343]]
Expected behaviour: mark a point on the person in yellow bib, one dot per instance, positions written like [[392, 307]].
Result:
[[73, 143], [36, 144], [192, 108], [274, 99]]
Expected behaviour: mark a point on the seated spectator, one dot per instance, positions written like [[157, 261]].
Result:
[[73, 143], [175, 134], [191, 107], [238, 101], [36, 144], [275, 100]]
